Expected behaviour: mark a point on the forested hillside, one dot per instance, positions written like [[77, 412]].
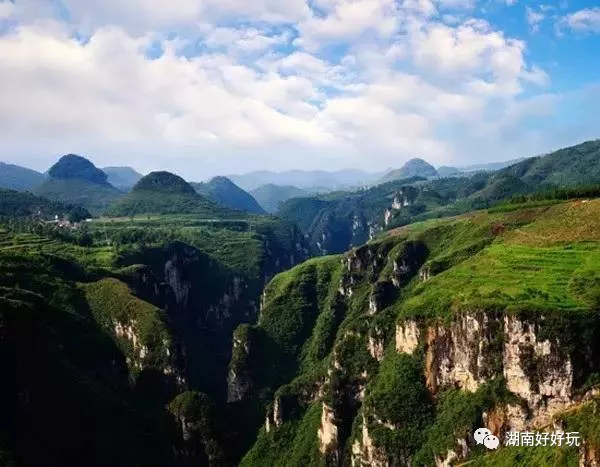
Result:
[[335, 222], [395, 352], [14, 177], [224, 192], [115, 335], [75, 180]]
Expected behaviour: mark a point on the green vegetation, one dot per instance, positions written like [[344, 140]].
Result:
[[14, 177], [271, 196], [335, 222], [75, 180], [224, 192], [543, 456], [398, 396], [17, 204], [161, 193], [412, 168], [457, 416], [77, 167], [129, 314], [95, 197], [122, 178], [538, 263], [294, 444]]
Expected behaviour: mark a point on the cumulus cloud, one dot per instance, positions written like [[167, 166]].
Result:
[[586, 20], [339, 83]]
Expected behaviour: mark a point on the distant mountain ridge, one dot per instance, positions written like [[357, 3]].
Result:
[[15, 177], [271, 196], [123, 178], [338, 221], [314, 180], [225, 193]]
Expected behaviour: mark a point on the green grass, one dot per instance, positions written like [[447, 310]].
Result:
[[113, 303], [294, 444], [509, 275], [479, 262]]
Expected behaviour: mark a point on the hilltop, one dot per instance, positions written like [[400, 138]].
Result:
[[76, 180], [15, 177], [225, 193], [412, 168], [271, 196], [123, 178], [164, 193], [72, 166]]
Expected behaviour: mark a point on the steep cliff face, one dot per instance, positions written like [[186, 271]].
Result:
[[415, 341], [162, 297]]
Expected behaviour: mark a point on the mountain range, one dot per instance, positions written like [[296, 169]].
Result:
[[337, 221], [75, 180], [225, 193], [122, 178], [374, 326], [15, 177]]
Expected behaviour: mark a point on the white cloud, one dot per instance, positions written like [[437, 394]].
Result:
[[534, 18], [404, 83], [586, 20], [7, 9], [244, 40], [457, 4], [348, 19]]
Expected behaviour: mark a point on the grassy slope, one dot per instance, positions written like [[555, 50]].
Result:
[[543, 259]]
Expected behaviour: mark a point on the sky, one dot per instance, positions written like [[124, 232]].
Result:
[[206, 87]]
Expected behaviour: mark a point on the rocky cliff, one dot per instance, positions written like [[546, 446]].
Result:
[[394, 353]]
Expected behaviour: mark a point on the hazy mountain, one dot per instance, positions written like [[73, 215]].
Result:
[[122, 178], [490, 167], [271, 196], [225, 193], [334, 222], [75, 180], [445, 171], [316, 180], [412, 168], [164, 193], [15, 177]]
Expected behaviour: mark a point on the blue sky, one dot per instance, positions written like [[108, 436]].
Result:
[[206, 87]]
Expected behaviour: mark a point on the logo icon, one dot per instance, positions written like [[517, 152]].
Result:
[[485, 437]]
